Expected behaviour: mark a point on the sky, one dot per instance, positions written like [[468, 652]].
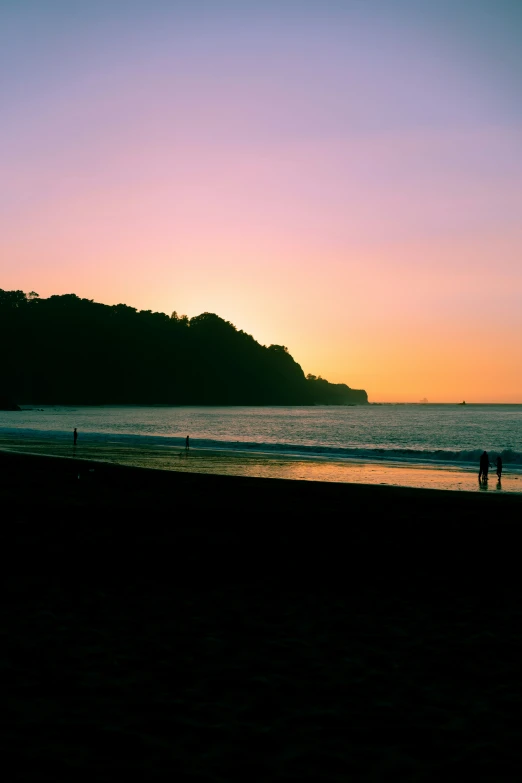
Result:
[[340, 177]]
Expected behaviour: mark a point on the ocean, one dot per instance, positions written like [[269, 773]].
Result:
[[418, 445]]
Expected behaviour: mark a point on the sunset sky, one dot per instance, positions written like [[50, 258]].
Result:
[[343, 177]]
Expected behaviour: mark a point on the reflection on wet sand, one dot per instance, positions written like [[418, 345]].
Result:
[[269, 466]]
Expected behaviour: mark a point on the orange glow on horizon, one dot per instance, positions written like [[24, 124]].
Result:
[[348, 184]]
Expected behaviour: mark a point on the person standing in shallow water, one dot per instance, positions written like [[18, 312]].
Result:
[[75, 436], [187, 443], [499, 467]]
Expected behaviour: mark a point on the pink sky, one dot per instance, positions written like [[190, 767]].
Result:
[[345, 180]]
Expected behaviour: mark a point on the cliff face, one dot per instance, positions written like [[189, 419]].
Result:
[[325, 393], [67, 350]]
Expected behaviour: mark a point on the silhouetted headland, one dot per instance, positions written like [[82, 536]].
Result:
[[67, 350]]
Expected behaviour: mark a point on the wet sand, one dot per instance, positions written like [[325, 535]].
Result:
[[254, 464], [220, 628]]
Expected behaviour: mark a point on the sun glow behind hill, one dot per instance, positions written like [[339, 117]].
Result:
[[345, 180]]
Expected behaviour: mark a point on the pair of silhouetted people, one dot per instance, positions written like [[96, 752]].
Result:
[[485, 465], [75, 436]]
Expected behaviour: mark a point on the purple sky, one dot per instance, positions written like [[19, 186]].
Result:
[[344, 178]]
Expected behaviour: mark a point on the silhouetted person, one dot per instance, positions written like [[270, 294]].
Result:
[[499, 467], [187, 443], [75, 436], [484, 466]]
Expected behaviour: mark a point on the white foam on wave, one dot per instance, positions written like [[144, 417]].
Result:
[[465, 458]]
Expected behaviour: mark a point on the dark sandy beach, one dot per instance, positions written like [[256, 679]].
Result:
[[215, 628]]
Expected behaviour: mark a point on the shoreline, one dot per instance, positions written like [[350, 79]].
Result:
[[237, 527], [265, 465], [19, 464]]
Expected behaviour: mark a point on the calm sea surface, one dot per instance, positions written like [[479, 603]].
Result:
[[411, 445]]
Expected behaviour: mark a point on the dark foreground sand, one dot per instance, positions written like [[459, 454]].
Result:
[[194, 627]]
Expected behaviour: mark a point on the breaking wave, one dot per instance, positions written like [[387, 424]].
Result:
[[466, 459]]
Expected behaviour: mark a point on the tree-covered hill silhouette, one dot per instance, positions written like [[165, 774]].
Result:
[[68, 350]]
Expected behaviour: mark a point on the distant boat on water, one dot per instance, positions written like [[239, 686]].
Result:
[[462, 403]]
